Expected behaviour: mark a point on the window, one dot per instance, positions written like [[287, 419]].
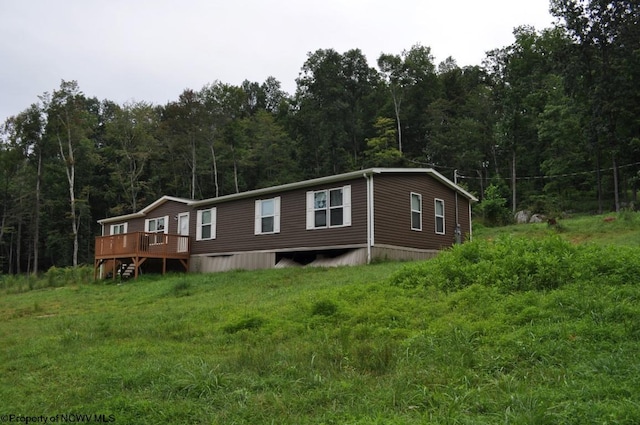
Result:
[[157, 225], [118, 229], [329, 208], [267, 216], [416, 211], [439, 216], [206, 224]]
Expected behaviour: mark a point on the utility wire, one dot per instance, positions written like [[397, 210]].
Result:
[[555, 176]]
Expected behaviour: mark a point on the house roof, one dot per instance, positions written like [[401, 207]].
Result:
[[146, 209], [291, 186], [334, 179]]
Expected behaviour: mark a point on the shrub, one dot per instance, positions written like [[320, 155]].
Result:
[[56, 276], [494, 207], [618, 265], [522, 264]]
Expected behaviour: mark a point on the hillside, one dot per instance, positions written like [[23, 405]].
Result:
[[550, 335], [607, 229]]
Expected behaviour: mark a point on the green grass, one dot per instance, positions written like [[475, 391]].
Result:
[[610, 229], [394, 343]]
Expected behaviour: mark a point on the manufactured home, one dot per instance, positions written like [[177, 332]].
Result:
[[351, 218]]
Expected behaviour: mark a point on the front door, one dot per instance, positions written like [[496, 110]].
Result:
[[183, 229]]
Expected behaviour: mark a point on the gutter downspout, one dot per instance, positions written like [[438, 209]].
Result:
[[369, 179], [458, 231], [101, 273], [470, 224]]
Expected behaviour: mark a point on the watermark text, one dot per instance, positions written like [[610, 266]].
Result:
[[60, 418]]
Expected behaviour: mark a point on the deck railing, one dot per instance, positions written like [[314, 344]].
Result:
[[142, 244]]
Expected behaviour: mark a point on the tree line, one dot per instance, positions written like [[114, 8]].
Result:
[[549, 123]]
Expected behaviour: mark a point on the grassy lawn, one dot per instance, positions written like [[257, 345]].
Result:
[[614, 229], [389, 343]]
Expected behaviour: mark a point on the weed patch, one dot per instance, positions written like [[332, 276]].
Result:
[[324, 308], [181, 288], [522, 264], [249, 323]]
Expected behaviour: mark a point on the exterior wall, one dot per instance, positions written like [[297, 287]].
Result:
[[169, 208], [267, 260], [243, 261], [235, 224], [392, 211], [399, 253]]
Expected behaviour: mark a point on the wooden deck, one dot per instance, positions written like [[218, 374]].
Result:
[[133, 249]]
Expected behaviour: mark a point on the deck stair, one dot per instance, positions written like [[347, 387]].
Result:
[[126, 270]]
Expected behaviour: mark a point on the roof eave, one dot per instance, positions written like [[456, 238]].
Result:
[[120, 218], [283, 187], [431, 171], [143, 212]]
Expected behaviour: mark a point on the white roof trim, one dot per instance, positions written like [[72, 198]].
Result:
[[143, 212]]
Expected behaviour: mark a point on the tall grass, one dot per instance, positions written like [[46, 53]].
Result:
[[521, 264], [54, 277]]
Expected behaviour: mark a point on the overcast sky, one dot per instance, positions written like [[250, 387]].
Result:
[[151, 50]]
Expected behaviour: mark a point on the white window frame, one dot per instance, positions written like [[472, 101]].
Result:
[[124, 226], [413, 195], [200, 224], [346, 208], [259, 216], [147, 225], [156, 239], [439, 216]]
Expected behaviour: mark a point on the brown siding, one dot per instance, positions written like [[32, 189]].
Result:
[[392, 211], [168, 208], [235, 224]]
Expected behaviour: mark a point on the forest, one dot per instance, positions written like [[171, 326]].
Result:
[[550, 123]]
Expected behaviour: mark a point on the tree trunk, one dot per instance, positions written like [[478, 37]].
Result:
[[235, 174], [4, 220], [396, 107], [235, 168], [513, 182], [71, 178], [481, 184], [36, 216], [11, 254], [215, 168], [19, 244], [599, 183], [616, 195], [193, 168], [133, 167]]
